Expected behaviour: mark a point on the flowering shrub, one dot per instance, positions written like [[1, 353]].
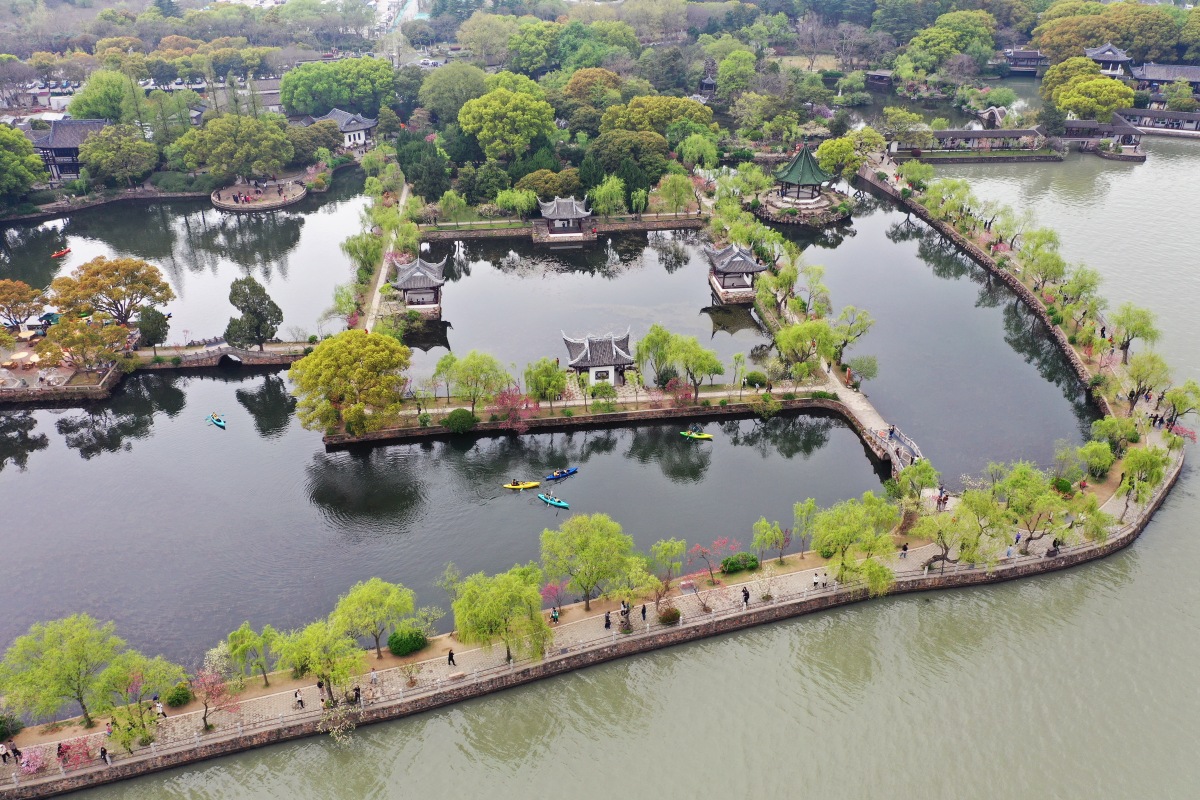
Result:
[[1186, 433], [33, 761], [514, 410], [555, 592]]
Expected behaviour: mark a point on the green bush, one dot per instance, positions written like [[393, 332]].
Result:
[[604, 391], [739, 562], [822, 395], [722, 403], [789, 395], [827, 552], [179, 695], [669, 616], [177, 360], [312, 339], [604, 407], [566, 412], [668, 374], [307, 350], [182, 182], [158, 360], [756, 379], [42, 197], [1063, 486], [460, 420], [494, 418], [424, 418], [404, 641], [10, 726], [881, 175], [705, 403]]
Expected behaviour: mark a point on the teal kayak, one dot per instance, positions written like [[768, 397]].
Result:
[[553, 501]]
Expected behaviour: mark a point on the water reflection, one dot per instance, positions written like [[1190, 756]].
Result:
[[732, 319], [789, 436], [111, 427], [17, 439], [364, 484], [681, 460], [270, 406]]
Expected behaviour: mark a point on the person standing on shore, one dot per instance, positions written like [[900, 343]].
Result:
[[299, 699], [450, 659], [104, 756], [158, 709], [607, 620], [643, 612], [745, 598], [4, 753]]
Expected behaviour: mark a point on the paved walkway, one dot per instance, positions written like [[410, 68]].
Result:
[[381, 274]]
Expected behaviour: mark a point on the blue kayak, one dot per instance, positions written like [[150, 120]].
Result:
[[553, 501], [216, 419], [558, 475]]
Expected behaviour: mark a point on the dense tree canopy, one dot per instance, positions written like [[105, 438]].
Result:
[[355, 378], [115, 286], [118, 152], [233, 145], [505, 122], [20, 166], [362, 85]]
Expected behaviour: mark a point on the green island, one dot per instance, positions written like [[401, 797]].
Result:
[[751, 133]]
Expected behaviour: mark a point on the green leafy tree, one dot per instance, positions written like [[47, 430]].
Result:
[[735, 74], [20, 166], [370, 608], [804, 514], [1131, 322], [852, 324], [119, 152], [698, 150], [235, 145], [453, 206], [908, 127], [1094, 98], [655, 349], [1146, 372], [102, 97], [1098, 456], [1182, 400], [1145, 468], [521, 202], [696, 361], [609, 197], [507, 607], [1031, 501], [487, 35], [591, 552], [545, 380], [153, 326], [665, 564], [131, 679], [357, 85], [769, 536], [479, 377], [260, 315], [323, 650], [118, 287], [656, 113], [354, 379], [251, 650], [448, 88], [506, 122], [1039, 253], [84, 344], [58, 662], [1118, 432], [858, 531]]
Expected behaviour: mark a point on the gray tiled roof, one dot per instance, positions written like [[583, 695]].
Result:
[[1016, 133], [347, 122], [69, 133], [733, 260], [420, 274], [599, 351], [1106, 52], [565, 208], [1166, 72]]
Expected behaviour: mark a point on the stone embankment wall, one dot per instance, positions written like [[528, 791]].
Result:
[[211, 358], [976, 254], [564, 662], [57, 395], [734, 410], [526, 231], [981, 159], [63, 209]]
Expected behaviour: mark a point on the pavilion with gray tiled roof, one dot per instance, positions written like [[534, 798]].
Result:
[[603, 358], [564, 215], [420, 283]]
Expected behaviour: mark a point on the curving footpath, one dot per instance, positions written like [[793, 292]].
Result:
[[479, 672]]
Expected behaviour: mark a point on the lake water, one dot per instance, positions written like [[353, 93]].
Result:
[[1070, 685]]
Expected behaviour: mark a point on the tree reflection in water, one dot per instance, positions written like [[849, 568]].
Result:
[[110, 427], [786, 435], [681, 460], [270, 406], [17, 439]]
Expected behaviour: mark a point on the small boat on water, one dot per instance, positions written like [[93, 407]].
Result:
[[520, 485], [60, 253], [559, 474], [550, 500], [694, 435], [216, 419]]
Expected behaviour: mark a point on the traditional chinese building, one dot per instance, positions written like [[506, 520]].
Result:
[[1025, 62], [802, 176], [1156, 77], [1112, 60], [1162, 121], [59, 146], [733, 272], [565, 216], [355, 128], [419, 284], [603, 359]]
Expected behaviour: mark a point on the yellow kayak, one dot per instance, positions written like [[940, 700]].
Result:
[[523, 485], [694, 435]]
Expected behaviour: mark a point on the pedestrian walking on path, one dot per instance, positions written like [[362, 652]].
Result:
[[374, 677], [104, 756], [643, 612], [607, 621], [745, 598], [450, 659], [825, 580], [815, 580], [4, 753], [299, 699], [904, 550], [158, 707]]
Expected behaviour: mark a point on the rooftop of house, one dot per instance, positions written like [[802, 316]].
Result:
[[609, 350]]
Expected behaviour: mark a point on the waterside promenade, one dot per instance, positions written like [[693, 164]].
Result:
[[481, 671]]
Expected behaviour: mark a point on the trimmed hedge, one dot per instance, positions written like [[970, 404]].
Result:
[[739, 562], [669, 616], [405, 641], [179, 695], [460, 420]]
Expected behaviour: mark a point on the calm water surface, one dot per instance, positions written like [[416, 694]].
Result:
[[1075, 685], [294, 252]]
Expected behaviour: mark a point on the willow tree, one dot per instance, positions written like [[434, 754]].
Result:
[[372, 607], [323, 650], [251, 650], [591, 552], [505, 607], [858, 532]]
